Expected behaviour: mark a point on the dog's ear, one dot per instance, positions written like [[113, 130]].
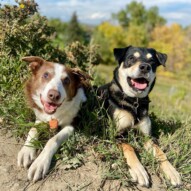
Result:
[[119, 53], [81, 74], [35, 62], [161, 58], [82, 77]]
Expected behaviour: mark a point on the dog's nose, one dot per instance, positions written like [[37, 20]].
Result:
[[54, 95], [144, 67]]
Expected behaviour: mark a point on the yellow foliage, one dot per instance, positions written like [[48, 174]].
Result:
[[136, 35], [112, 36], [171, 40], [115, 35], [118, 36]]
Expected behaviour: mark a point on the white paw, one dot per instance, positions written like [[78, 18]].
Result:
[[171, 173], [139, 174], [26, 156], [39, 168]]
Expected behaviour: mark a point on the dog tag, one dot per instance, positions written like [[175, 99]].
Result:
[[53, 123]]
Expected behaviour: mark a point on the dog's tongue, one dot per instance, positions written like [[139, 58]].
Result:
[[140, 84], [50, 107]]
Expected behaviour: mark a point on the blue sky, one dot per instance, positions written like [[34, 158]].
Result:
[[95, 11]]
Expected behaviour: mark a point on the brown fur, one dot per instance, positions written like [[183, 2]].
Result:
[[38, 66], [35, 80], [74, 83]]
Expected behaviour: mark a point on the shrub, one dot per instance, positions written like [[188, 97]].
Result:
[[26, 33]]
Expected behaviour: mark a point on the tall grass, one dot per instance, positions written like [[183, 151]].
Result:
[[96, 134]]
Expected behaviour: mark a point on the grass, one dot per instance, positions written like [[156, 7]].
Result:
[[170, 114]]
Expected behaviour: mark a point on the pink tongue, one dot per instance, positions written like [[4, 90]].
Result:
[[50, 107], [138, 85]]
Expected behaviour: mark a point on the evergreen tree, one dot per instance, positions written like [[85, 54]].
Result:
[[74, 31]]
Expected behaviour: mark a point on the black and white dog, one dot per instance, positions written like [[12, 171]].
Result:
[[127, 101]]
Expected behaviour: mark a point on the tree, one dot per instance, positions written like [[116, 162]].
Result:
[[136, 35], [74, 31], [188, 42], [172, 41], [136, 14], [60, 32], [135, 26], [108, 37], [153, 19]]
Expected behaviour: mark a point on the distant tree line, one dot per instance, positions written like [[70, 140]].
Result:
[[134, 25], [25, 32]]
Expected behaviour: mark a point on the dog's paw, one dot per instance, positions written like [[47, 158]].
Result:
[[171, 173], [26, 156], [139, 174], [39, 168]]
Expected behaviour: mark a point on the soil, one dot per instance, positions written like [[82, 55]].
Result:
[[88, 177]]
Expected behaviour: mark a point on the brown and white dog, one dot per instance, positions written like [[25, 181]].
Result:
[[127, 101], [54, 91]]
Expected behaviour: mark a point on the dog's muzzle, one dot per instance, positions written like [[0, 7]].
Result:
[[138, 83], [144, 68]]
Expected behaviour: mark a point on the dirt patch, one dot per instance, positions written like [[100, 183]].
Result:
[[87, 177]]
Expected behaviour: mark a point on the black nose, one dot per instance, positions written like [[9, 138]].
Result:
[[53, 95], [144, 67]]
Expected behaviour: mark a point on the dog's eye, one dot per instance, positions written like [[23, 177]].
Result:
[[131, 58], [66, 81], [151, 61], [45, 75]]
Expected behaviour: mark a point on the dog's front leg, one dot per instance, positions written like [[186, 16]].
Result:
[[41, 165], [136, 169], [28, 153], [123, 121], [165, 165]]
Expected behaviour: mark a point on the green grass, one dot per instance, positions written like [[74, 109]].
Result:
[[171, 122], [170, 114]]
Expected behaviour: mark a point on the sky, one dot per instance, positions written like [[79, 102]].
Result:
[[96, 11]]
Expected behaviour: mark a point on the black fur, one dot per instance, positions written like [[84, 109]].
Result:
[[113, 92], [122, 101], [126, 55]]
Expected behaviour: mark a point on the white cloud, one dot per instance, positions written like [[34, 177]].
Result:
[[98, 15], [95, 11], [175, 15], [160, 3]]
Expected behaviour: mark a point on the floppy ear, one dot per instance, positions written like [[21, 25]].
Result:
[[119, 53], [161, 58], [81, 74], [82, 77], [35, 62]]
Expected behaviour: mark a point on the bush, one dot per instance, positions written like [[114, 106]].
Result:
[[26, 33]]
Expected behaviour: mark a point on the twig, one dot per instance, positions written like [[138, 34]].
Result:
[[24, 189], [85, 186], [45, 179]]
